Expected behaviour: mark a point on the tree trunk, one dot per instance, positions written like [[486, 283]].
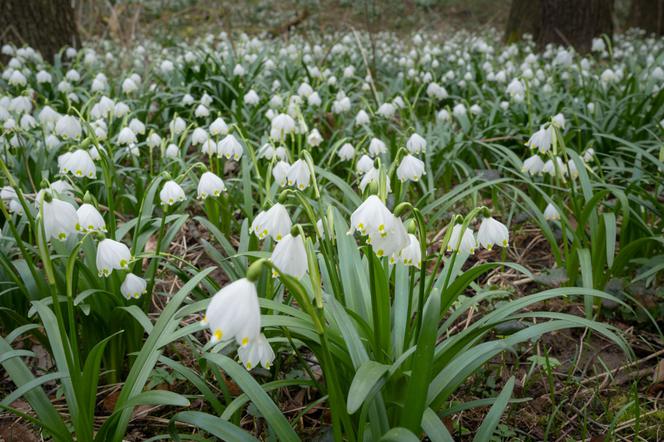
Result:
[[647, 15], [575, 22], [523, 19], [45, 25]]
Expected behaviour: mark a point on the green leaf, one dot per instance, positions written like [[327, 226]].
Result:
[[399, 434], [214, 425], [364, 381], [492, 419]]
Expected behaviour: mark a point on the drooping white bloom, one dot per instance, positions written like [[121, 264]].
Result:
[[598, 45], [79, 163], [346, 152], [371, 216], [386, 110], [416, 144], [365, 164], [516, 90], [199, 136], [373, 176], [210, 185], [550, 167], [172, 151], [459, 110], [218, 127], [542, 139], [551, 213], [588, 154], [230, 147], [410, 169], [411, 255], [201, 111], [274, 222], [68, 127], [133, 286], [492, 232], [112, 255], [362, 118], [257, 352], [533, 165], [558, 120], [171, 193], [290, 256], [459, 242], [299, 175], [282, 125], [377, 147], [59, 218], [314, 138], [89, 219], [127, 137], [389, 242], [280, 172], [177, 126], [234, 313], [251, 98], [434, 90]]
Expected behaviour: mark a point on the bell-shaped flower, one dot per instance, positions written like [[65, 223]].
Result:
[[362, 118], [365, 164], [274, 222], [133, 286], [411, 255], [60, 219], [389, 241], [79, 163], [416, 144], [210, 185], [377, 147], [371, 216], [551, 213], [234, 313], [299, 175], [282, 125], [112, 255], [218, 127], [373, 176], [280, 172], [464, 243], [257, 352], [171, 193], [533, 165], [542, 139], [89, 219], [230, 147], [346, 152], [314, 138], [68, 127], [127, 136], [290, 256], [492, 232], [410, 169], [199, 136]]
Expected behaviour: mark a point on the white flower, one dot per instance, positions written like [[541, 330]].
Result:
[[314, 100], [377, 147], [598, 45], [89, 219], [551, 213], [257, 352], [371, 216], [133, 286], [386, 110], [542, 139], [410, 169], [389, 241], [492, 232], [314, 139], [128, 86], [416, 144], [411, 255], [79, 163], [59, 218], [462, 243], [558, 120], [590, 153], [177, 126], [290, 256], [434, 90], [299, 175], [443, 115], [282, 125], [172, 151], [365, 164], [362, 118], [274, 222], [280, 172], [234, 313], [459, 110], [112, 255], [550, 168], [533, 165], [251, 98], [199, 136], [201, 111], [210, 185], [347, 152], [171, 193], [218, 127], [230, 147], [238, 70], [17, 79], [266, 151], [68, 127], [127, 136]]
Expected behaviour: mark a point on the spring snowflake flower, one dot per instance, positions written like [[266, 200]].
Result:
[[68, 127], [79, 163], [362, 118], [314, 138], [365, 164], [290, 256], [230, 147], [410, 169], [234, 313], [17, 79], [133, 286], [251, 98], [172, 151], [542, 139], [492, 232], [377, 147], [389, 242], [558, 120], [201, 111], [127, 137], [464, 243], [371, 216], [386, 110], [533, 165], [347, 152], [112, 255], [210, 185], [373, 176], [282, 125], [551, 213], [314, 100], [434, 90], [280, 172], [60, 219], [459, 110], [274, 222], [171, 193], [128, 86], [218, 127], [299, 175], [443, 116], [416, 144], [411, 254], [550, 167], [199, 136], [257, 352], [177, 126], [89, 219]]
